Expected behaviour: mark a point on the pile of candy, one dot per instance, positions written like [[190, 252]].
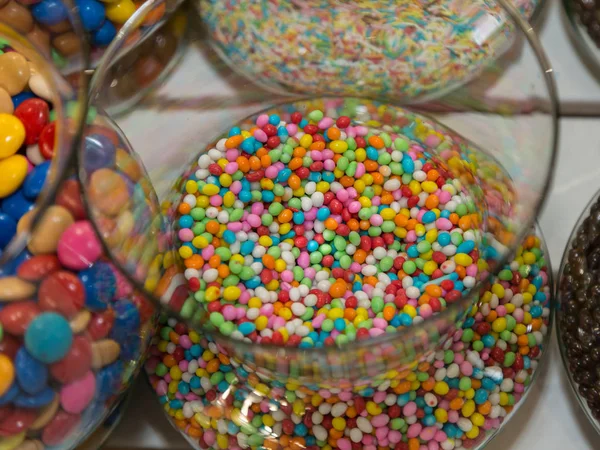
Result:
[[322, 230], [453, 400], [579, 316], [72, 331], [400, 49], [47, 23]]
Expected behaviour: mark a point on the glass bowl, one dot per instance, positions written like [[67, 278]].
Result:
[[486, 146], [74, 333], [460, 397], [584, 28], [576, 324]]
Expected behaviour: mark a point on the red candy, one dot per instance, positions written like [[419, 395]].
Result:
[[76, 363], [61, 292], [46, 140], [15, 317], [34, 113]]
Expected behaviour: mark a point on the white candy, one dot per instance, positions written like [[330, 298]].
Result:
[[392, 185], [339, 409], [210, 275], [364, 425]]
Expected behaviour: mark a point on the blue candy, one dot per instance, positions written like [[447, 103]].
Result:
[[12, 393], [323, 213], [108, 380], [127, 320], [10, 268], [92, 14], [34, 401], [32, 375], [50, 12], [20, 98], [48, 337], [100, 286], [8, 228], [466, 247], [428, 217], [99, 152], [34, 183], [16, 205]]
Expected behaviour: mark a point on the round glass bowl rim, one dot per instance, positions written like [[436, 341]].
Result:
[[563, 351], [240, 345]]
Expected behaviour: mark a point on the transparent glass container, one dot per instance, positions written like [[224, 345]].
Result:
[[74, 333], [228, 405], [491, 134], [584, 29], [576, 323], [135, 73]]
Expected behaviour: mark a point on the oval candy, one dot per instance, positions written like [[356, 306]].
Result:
[[14, 69], [19, 421], [16, 317], [32, 375], [45, 238], [6, 102], [17, 205], [13, 288], [76, 363], [80, 321], [100, 286], [35, 401], [35, 181], [108, 192], [104, 352], [18, 17], [76, 396], [59, 427], [46, 414], [13, 171], [8, 229], [69, 196], [34, 114], [7, 374], [38, 267], [61, 292]]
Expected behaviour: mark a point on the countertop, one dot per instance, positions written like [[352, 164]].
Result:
[[550, 418]]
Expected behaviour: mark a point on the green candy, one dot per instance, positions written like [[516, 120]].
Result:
[[231, 280], [275, 252], [386, 263], [329, 235], [505, 275], [343, 163], [478, 346], [401, 144], [165, 332], [461, 209], [456, 238], [351, 143], [374, 231], [325, 249], [509, 359], [327, 325], [422, 376], [384, 159], [387, 140], [267, 220], [223, 252], [351, 170], [315, 115], [377, 304], [467, 335], [198, 228], [345, 262], [464, 384], [448, 357], [246, 273], [409, 267], [275, 208], [227, 328], [161, 370], [188, 308], [316, 258], [217, 319], [397, 424], [339, 243], [198, 213], [423, 246], [396, 168], [354, 238]]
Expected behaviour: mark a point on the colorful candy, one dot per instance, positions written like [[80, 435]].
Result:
[[72, 330], [400, 50], [455, 399], [321, 230]]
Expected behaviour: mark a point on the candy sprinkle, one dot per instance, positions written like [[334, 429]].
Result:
[[322, 230]]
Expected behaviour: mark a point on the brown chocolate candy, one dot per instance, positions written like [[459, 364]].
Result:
[[17, 16], [67, 44]]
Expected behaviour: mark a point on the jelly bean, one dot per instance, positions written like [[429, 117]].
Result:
[[6, 102], [100, 286], [120, 11], [34, 115], [48, 337], [104, 353], [105, 34], [35, 401], [46, 140], [108, 192], [12, 135]]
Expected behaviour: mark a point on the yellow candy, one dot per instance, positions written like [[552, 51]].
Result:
[[339, 423], [7, 373], [191, 187], [13, 171], [473, 433], [210, 189], [429, 186], [185, 252], [477, 419], [261, 322], [232, 293], [200, 242], [12, 135], [498, 289], [222, 441], [12, 442], [120, 11], [441, 415], [373, 408], [468, 408], [441, 388], [360, 155], [306, 140], [268, 420], [338, 146], [463, 259], [280, 265]]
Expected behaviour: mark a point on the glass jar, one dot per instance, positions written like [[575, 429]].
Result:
[[290, 287], [218, 402], [576, 316], [74, 333], [134, 74], [584, 27]]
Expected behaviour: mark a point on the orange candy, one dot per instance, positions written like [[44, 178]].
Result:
[[212, 226], [338, 289], [433, 290], [333, 133], [376, 142], [285, 216]]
